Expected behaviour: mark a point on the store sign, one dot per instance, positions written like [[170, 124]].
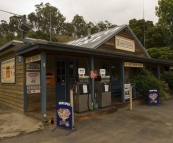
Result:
[[32, 78], [64, 115], [129, 64], [93, 74], [8, 71], [127, 91], [33, 58], [33, 89], [124, 44], [50, 78], [33, 66]]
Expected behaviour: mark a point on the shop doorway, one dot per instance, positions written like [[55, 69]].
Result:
[[66, 71]]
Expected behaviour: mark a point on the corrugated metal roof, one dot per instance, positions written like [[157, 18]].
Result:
[[96, 38], [99, 38], [13, 42]]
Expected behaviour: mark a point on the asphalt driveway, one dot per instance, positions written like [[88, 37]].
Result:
[[144, 124], [15, 123]]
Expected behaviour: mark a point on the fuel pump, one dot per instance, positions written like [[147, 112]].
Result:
[[82, 92], [102, 89]]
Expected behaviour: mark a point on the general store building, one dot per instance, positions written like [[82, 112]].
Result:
[[55, 65]]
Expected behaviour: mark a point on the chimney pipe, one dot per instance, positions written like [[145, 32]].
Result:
[[89, 32]]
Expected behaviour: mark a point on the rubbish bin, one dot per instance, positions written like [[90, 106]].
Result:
[[153, 97]]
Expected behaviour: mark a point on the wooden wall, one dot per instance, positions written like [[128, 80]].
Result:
[[34, 100], [11, 95], [110, 45]]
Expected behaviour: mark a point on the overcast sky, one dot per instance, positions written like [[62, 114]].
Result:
[[115, 11]]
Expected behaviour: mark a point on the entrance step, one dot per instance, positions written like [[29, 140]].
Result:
[[94, 113]]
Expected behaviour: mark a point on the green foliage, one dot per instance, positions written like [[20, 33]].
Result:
[[164, 11], [41, 35], [169, 80], [145, 81], [153, 34], [164, 53]]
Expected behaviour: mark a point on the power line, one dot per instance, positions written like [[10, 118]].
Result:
[[10, 12]]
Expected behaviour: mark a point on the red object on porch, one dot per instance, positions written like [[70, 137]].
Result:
[[93, 74]]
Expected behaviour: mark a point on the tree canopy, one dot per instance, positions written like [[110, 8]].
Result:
[[158, 38], [164, 11]]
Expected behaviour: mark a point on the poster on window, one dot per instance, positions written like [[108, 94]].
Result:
[[32, 78], [8, 71]]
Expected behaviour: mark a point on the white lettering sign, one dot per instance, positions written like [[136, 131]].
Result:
[[32, 66], [32, 78], [33, 58], [125, 44]]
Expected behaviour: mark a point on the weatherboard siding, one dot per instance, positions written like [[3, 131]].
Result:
[[11, 94]]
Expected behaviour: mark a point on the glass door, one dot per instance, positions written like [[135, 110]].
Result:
[[61, 81]]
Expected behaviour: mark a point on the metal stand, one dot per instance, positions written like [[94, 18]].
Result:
[[71, 130]]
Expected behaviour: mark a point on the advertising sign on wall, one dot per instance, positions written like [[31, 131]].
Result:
[[125, 44], [33, 66], [50, 78], [129, 64], [64, 115], [32, 78], [33, 82], [33, 58], [8, 71]]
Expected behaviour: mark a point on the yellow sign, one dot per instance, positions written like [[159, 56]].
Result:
[[129, 64]]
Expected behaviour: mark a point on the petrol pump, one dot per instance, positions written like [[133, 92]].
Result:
[[82, 92], [102, 89]]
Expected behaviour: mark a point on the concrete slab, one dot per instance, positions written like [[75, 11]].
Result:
[[15, 123]]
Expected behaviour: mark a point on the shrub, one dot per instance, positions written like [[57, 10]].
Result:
[[146, 81], [169, 80]]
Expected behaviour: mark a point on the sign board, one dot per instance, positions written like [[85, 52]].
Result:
[[93, 74], [33, 58], [19, 60], [33, 89], [129, 64], [153, 97], [8, 71], [33, 66], [50, 78], [127, 91], [32, 78], [124, 44], [102, 71], [81, 71], [64, 115]]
